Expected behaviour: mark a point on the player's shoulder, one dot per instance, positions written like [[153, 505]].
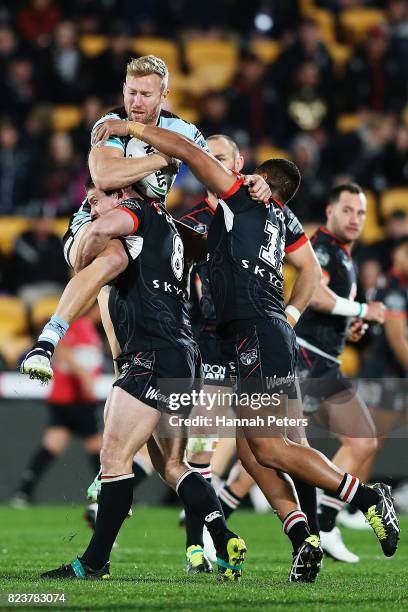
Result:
[[133, 204], [173, 122], [116, 113], [201, 214]]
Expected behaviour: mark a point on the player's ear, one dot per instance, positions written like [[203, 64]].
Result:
[[239, 164], [165, 93]]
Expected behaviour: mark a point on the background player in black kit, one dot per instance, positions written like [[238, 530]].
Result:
[[148, 311], [246, 244], [322, 333], [384, 375]]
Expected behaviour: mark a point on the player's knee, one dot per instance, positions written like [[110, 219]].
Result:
[[173, 469], [113, 459], [267, 456], [362, 448]]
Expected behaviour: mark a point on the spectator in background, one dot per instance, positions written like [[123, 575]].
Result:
[[215, 114], [61, 174], [307, 47], [64, 71], [37, 21], [396, 227], [373, 78], [81, 135], [20, 88], [14, 166], [397, 14], [9, 48], [108, 68], [306, 109], [254, 105], [394, 161], [72, 405], [37, 265], [309, 202]]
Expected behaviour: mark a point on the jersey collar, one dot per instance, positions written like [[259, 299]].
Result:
[[343, 245]]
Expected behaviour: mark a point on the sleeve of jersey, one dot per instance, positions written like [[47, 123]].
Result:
[[325, 260], [295, 235], [113, 141], [396, 304], [135, 211], [238, 199]]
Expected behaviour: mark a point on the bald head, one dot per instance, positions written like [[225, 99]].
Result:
[[226, 151]]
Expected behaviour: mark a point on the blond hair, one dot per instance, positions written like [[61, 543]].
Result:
[[148, 64]]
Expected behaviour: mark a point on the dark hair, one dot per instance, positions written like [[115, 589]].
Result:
[[400, 242], [283, 177], [335, 192], [89, 184]]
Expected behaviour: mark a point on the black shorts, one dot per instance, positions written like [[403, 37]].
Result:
[[152, 376], [320, 378], [80, 419], [382, 387], [215, 355], [264, 357], [77, 224]]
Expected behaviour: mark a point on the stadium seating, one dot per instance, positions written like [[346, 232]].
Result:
[[61, 226], [340, 55], [13, 317], [213, 62], [394, 199], [326, 23], [161, 47], [267, 50], [43, 309], [263, 152], [65, 118], [93, 44], [355, 22], [11, 228], [12, 348], [348, 122]]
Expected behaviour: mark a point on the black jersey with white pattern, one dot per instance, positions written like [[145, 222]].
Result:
[[326, 331], [148, 301]]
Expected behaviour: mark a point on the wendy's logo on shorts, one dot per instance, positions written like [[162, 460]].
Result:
[[249, 357]]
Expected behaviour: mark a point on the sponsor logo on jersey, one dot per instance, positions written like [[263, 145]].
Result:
[[323, 256], [168, 287], [212, 516], [249, 357], [262, 273], [214, 371], [145, 363]]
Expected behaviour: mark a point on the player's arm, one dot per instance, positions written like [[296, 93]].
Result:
[[327, 301], [308, 274], [110, 169], [395, 327], [209, 171], [115, 223]]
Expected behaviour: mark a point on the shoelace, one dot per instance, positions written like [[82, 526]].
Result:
[[375, 520]]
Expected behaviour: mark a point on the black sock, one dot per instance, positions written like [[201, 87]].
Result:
[[200, 497], [44, 344], [139, 472], [330, 506], [308, 503], [114, 502], [95, 461], [40, 461], [228, 500], [359, 495], [296, 528], [194, 523]]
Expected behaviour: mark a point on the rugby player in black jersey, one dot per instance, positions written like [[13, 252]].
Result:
[[216, 359], [322, 333], [148, 309], [384, 375], [246, 244]]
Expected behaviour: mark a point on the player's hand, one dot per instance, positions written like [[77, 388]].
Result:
[[375, 312], [87, 385], [111, 127], [258, 188], [356, 330]]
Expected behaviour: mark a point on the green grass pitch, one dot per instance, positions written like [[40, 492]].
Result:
[[147, 568]]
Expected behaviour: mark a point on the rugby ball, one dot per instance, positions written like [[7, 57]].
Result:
[[158, 184]]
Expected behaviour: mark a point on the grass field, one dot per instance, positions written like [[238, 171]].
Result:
[[148, 567]]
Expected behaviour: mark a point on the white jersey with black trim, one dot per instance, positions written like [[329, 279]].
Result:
[[166, 120]]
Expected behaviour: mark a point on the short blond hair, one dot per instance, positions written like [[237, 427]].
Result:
[[148, 64]]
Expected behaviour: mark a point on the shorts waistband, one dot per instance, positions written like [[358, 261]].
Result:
[[233, 327]]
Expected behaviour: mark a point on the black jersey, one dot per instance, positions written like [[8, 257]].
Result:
[[326, 331], [148, 302], [394, 294], [247, 245]]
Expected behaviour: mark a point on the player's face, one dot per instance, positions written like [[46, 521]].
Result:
[[143, 97], [100, 202], [222, 150], [346, 217]]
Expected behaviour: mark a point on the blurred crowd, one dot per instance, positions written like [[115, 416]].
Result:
[[323, 82]]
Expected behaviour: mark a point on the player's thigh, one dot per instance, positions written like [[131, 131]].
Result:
[[73, 245], [56, 439], [349, 416], [103, 302], [129, 424]]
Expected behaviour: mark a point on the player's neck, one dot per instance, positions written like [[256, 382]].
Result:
[[345, 244]]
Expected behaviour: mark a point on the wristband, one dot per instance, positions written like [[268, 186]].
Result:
[[349, 308], [134, 128], [293, 312]]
